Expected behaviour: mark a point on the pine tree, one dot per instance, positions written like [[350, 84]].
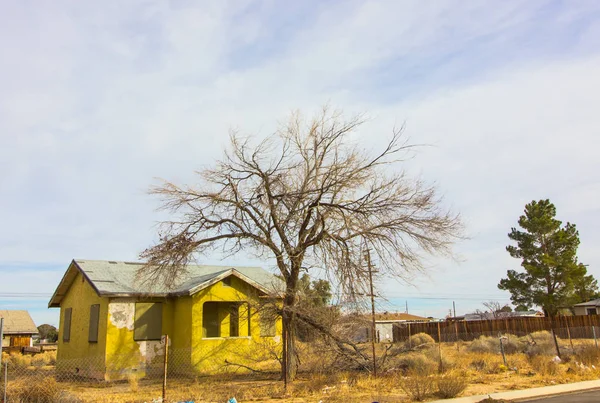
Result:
[[553, 278]]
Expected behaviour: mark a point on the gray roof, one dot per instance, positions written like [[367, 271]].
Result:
[[113, 278], [594, 302], [18, 322]]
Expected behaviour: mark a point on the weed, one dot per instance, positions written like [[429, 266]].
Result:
[[449, 386], [421, 339], [418, 387]]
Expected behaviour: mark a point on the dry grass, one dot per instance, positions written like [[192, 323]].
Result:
[[410, 374]]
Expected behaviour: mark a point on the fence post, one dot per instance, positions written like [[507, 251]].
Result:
[[456, 331], [502, 351], [409, 340], [569, 333], [5, 378], [166, 362], [441, 369], [555, 343], [594, 333]]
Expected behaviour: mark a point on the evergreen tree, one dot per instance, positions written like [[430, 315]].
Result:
[[552, 278]]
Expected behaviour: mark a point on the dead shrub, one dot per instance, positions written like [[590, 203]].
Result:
[[449, 386], [421, 339], [44, 359], [18, 360], [544, 366], [418, 387], [484, 344], [416, 363], [43, 390], [588, 355]]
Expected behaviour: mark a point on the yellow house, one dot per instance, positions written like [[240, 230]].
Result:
[[112, 325]]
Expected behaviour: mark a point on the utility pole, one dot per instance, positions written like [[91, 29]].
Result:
[[454, 307], [373, 327], [406, 302]]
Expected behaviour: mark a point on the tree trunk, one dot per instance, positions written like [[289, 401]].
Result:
[[289, 326]]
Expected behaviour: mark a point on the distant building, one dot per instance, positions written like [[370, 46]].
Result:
[[384, 325], [500, 315], [587, 308], [18, 329]]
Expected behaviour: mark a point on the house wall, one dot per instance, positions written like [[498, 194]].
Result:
[[78, 355], [384, 332], [582, 310], [126, 356], [209, 354]]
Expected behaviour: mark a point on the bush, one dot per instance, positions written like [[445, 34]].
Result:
[[420, 339], [588, 355], [541, 343], [44, 359], [484, 344], [44, 390], [18, 360], [418, 387], [416, 363], [544, 366], [450, 386]]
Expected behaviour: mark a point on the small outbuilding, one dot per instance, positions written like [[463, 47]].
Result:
[[18, 329]]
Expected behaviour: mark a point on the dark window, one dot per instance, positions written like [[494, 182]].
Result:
[[211, 326], [148, 321], [94, 319], [592, 311], [67, 324], [234, 320]]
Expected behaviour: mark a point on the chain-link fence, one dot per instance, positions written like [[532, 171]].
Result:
[[127, 377], [185, 374]]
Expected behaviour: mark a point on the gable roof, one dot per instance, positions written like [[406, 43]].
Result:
[[594, 302], [119, 279], [18, 322]]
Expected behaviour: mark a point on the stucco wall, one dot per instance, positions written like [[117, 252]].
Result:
[[117, 355], [126, 356], [209, 354], [78, 355]]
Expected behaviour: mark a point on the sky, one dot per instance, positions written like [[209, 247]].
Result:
[[99, 99]]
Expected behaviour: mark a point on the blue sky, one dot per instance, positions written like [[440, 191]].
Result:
[[99, 98]]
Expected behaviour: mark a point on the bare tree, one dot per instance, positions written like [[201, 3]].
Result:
[[498, 310], [306, 196]]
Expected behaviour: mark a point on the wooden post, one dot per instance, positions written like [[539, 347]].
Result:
[[569, 333], [594, 333], [441, 369], [456, 332], [555, 343], [409, 340], [502, 351], [166, 363], [373, 326]]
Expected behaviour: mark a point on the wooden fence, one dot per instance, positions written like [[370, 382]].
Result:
[[578, 327]]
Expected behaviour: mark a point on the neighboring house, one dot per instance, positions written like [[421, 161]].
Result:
[[384, 326], [18, 329], [111, 324], [499, 315], [587, 308]]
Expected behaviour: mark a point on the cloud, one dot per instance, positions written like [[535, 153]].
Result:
[[101, 98]]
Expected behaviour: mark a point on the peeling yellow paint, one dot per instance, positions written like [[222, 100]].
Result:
[[117, 355]]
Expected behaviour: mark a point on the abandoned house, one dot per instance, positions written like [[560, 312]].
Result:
[[18, 329], [112, 324]]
